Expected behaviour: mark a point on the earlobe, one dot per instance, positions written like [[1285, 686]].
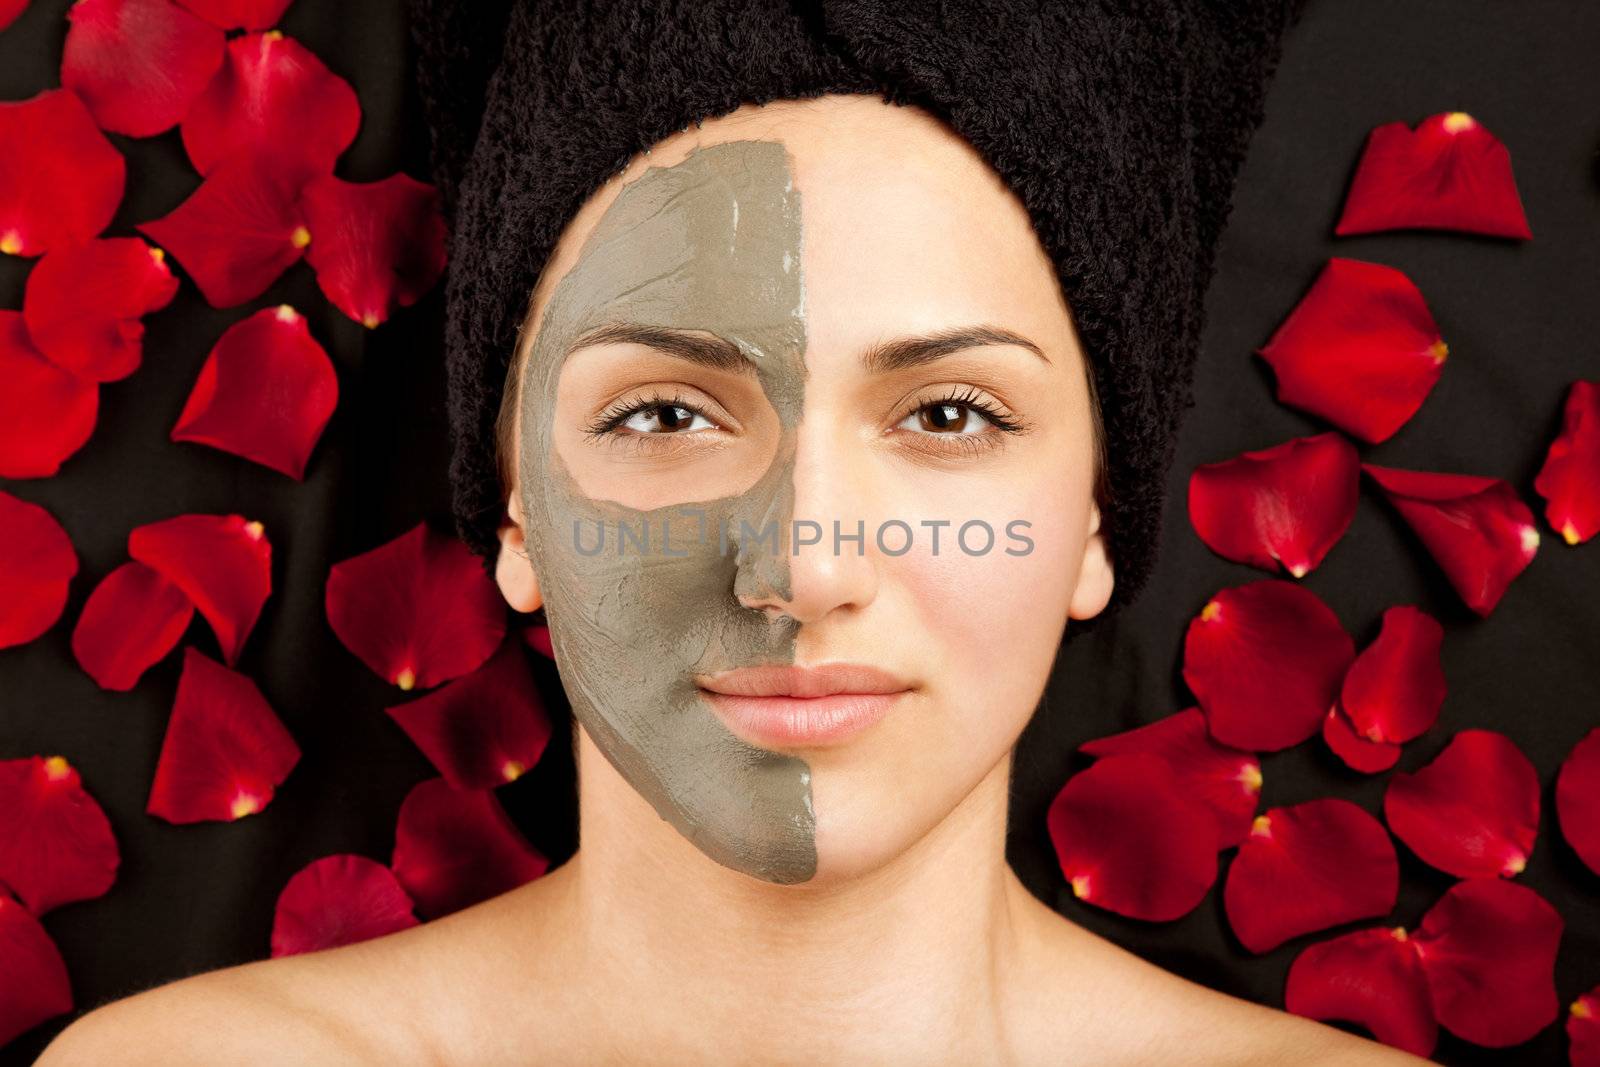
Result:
[[513, 570], [1096, 576]]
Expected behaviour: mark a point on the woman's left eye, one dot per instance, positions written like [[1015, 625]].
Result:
[[947, 417]]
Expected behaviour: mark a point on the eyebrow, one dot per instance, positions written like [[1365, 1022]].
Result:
[[883, 357]]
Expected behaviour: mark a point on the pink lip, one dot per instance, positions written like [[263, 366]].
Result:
[[785, 706]]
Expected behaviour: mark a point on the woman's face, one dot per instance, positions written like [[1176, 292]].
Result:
[[796, 319]]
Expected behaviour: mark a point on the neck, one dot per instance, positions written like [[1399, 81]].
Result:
[[915, 954]]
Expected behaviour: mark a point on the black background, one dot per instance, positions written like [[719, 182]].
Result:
[[1522, 321]]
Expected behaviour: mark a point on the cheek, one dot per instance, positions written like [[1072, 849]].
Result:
[[993, 622]]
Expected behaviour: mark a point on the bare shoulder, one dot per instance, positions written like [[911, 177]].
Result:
[[1132, 1012], [339, 1006], [418, 996]]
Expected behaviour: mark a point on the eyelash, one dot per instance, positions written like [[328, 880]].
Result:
[[605, 424]]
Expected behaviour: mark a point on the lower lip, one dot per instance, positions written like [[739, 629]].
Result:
[[776, 722]]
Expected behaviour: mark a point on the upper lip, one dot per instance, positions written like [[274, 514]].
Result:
[[829, 679]]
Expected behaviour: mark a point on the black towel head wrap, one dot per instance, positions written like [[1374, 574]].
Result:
[[1121, 126]]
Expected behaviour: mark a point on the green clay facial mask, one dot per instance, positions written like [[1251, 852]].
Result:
[[712, 244]]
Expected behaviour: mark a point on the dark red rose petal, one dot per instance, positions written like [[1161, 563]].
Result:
[[485, 729], [1372, 978], [1569, 480], [1360, 349], [418, 610], [33, 983], [225, 750], [1359, 754], [56, 845], [1478, 529], [138, 64], [1226, 780], [272, 105], [538, 639], [1395, 688], [1583, 1030], [235, 234], [265, 392], [223, 563], [37, 563], [1448, 174], [9, 11], [46, 413], [1307, 867], [376, 245], [238, 14], [1473, 811], [133, 618], [83, 304], [1130, 841], [1265, 661], [338, 900], [456, 847], [1488, 949], [1578, 799], [1287, 505], [60, 179]]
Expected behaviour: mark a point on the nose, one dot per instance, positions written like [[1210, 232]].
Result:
[[826, 559]]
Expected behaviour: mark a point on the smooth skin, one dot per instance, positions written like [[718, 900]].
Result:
[[915, 942]]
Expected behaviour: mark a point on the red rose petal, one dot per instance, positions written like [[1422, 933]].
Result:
[[485, 729], [60, 179], [265, 392], [1287, 504], [1307, 867], [1265, 661], [1583, 1030], [37, 563], [418, 610], [1569, 480], [225, 750], [9, 12], [1578, 799], [376, 245], [1488, 949], [1478, 529], [56, 844], [223, 563], [1449, 174], [138, 64], [1395, 688], [133, 618], [1226, 780], [1130, 841], [1358, 753], [235, 234], [33, 984], [83, 304], [538, 639], [1473, 811], [46, 413], [273, 105], [1369, 977], [338, 900], [238, 14], [456, 847], [1360, 349]]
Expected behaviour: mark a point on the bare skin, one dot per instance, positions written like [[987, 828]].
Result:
[[915, 942]]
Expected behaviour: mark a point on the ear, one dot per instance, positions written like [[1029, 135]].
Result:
[[1096, 576], [513, 569]]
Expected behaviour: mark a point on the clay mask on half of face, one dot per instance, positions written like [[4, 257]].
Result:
[[709, 244]]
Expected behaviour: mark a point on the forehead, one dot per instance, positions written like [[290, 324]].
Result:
[[903, 226]]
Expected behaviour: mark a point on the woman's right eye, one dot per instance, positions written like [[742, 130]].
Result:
[[665, 418]]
